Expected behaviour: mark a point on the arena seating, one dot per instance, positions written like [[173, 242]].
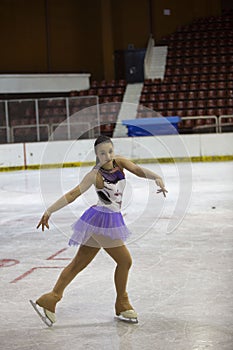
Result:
[[110, 95], [198, 78], [197, 87]]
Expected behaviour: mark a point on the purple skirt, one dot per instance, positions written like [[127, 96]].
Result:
[[99, 220]]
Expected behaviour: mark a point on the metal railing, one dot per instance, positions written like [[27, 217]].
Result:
[[225, 124], [85, 128], [214, 125], [72, 118], [31, 120]]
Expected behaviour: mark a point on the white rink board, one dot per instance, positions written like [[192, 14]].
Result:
[[151, 147], [11, 155], [56, 152]]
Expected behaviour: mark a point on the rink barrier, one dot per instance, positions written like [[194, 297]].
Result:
[[138, 161], [164, 149]]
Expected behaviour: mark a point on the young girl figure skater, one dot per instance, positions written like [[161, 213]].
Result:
[[101, 226]]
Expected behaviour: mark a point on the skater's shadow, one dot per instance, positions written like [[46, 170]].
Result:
[[125, 331], [86, 325]]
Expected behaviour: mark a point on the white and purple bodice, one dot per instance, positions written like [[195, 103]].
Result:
[[110, 195]]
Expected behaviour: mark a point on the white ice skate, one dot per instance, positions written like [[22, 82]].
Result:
[[129, 316], [47, 316]]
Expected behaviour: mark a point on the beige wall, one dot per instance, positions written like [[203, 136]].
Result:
[[74, 31], [64, 36], [182, 12], [23, 36], [130, 23]]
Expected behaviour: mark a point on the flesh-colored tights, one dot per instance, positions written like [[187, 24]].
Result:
[[83, 257]]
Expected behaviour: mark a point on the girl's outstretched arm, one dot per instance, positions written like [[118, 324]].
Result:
[[69, 197], [142, 172]]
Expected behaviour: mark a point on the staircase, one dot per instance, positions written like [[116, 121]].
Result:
[[157, 62], [128, 108]]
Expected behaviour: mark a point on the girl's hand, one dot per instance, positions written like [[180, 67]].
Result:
[[44, 221], [159, 182]]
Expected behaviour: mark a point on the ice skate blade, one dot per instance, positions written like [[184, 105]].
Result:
[[45, 319], [127, 320]]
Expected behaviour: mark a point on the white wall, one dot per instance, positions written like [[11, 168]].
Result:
[[22, 83], [11, 155], [57, 152], [154, 147]]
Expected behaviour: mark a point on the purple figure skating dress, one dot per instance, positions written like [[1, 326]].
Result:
[[104, 218]]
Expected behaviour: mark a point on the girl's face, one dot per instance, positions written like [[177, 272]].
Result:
[[105, 153]]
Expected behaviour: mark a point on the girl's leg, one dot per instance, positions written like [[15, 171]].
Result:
[[123, 259], [83, 257]]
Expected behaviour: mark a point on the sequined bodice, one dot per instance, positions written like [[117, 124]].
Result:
[[114, 183]]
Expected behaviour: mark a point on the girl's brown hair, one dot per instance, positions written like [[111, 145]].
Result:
[[101, 139]]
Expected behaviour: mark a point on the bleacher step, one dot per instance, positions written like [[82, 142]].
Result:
[[158, 62], [128, 108]]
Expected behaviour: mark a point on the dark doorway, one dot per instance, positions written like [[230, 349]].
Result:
[[129, 65]]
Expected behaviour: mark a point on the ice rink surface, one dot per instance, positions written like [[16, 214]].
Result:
[[181, 281]]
